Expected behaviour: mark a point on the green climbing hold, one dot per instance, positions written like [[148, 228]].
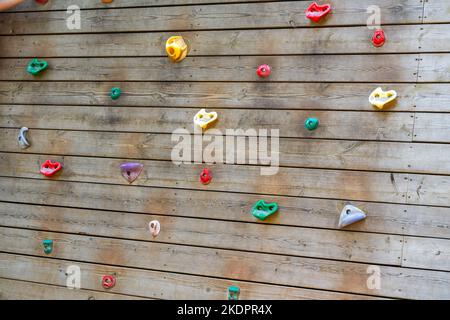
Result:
[[233, 293], [262, 210], [35, 66], [48, 246], [115, 93], [311, 123]]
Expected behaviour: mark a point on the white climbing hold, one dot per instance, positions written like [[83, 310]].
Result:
[[350, 214], [154, 227]]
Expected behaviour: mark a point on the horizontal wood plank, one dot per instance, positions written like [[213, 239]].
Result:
[[285, 14], [436, 11], [432, 127], [304, 212], [427, 253], [434, 68], [307, 68], [431, 190]]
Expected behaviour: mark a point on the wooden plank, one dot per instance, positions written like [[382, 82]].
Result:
[[317, 183], [307, 68], [434, 68], [22, 290], [290, 123], [436, 11], [306, 96], [294, 211], [430, 190], [427, 253], [339, 276], [285, 14], [402, 39], [154, 284], [306, 242], [432, 127]]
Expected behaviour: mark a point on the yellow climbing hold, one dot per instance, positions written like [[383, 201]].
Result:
[[204, 119], [176, 48], [380, 98]]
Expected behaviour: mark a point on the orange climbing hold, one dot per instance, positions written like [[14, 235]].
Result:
[[176, 48]]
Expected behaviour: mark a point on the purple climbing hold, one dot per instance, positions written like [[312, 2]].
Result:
[[131, 170]]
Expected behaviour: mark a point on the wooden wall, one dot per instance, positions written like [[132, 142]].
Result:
[[394, 163]]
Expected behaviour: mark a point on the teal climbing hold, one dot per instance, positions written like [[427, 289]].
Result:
[[35, 66], [115, 93], [233, 293], [262, 210], [311, 123], [48, 246]]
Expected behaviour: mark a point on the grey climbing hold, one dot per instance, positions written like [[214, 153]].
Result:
[[23, 142], [350, 214]]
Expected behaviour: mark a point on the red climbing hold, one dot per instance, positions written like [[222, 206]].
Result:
[[42, 1], [263, 71], [205, 176], [378, 38], [108, 281], [315, 12], [49, 168]]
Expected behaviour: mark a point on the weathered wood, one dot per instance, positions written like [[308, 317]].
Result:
[[427, 253], [307, 68], [436, 11], [434, 68], [317, 183], [430, 190], [307, 96], [404, 38], [316, 213], [22, 290], [432, 127], [306, 242], [286, 14], [340, 276], [154, 284], [290, 123]]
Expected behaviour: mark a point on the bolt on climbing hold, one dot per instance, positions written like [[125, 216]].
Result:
[[48, 246], [380, 98], [131, 170], [315, 12], [22, 139], [205, 176], [115, 93], [49, 168], [263, 71], [262, 210], [36, 66], [204, 119], [311, 123], [378, 38], [42, 1], [154, 227], [233, 293], [108, 281], [350, 214], [107, 1], [176, 48]]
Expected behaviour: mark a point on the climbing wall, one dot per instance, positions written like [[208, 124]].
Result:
[[391, 163]]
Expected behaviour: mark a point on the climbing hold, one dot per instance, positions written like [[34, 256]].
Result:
[[176, 48], [48, 246], [115, 93], [380, 98], [378, 38], [233, 293], [107, 1], [263, 71], [108, 281], [42, 1], [311, 123], [49, 168], [131, 170], [205, 176], [315, 12], [154, 227], [262, 210], [23, 142], [35, 66], [204, 119], [350, 214]]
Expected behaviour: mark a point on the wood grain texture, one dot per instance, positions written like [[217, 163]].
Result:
[[432, 190], [436, 11], [333, 125], [306, 242], [155, 284], [307, 68], [427, 253], [287, 14], [304, 212], [434, 68], [317, 183], [275, 269], [432, 127]]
